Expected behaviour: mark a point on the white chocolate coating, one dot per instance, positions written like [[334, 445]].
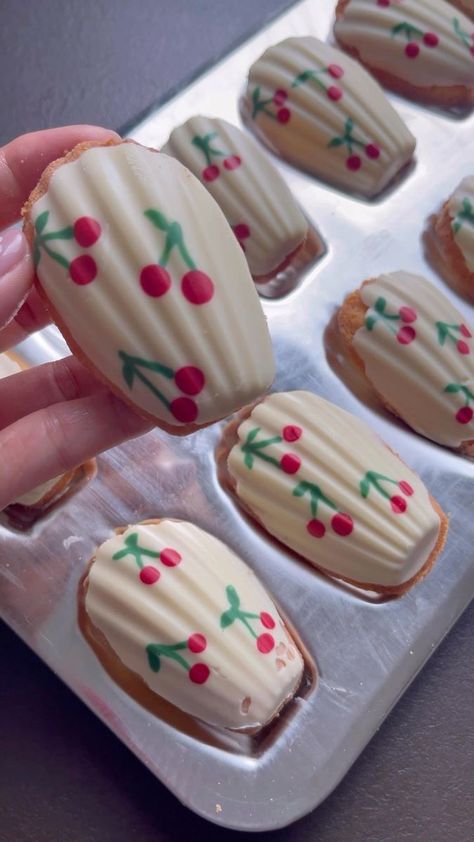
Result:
[[412, 376], [461, 211], [251, 193], [132, 314], [338, 123], [443, 60], [350, 535], [250, 668]]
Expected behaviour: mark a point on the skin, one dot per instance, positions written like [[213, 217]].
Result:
[[55, 416]]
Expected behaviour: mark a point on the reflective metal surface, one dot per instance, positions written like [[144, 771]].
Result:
[[367, 650]]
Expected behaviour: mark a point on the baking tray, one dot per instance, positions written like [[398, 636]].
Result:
[[367, 650]]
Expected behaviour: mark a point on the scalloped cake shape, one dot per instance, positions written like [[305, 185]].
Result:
[[188, 617], [421, 48], [147, 282], [417, 352], [454, 229], [320, 110], [250, 191]]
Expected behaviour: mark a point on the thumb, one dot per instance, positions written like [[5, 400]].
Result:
[[16, 273]]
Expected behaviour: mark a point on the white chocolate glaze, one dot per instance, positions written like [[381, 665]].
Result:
[[461, 211], [304, 486], [255, 199], [322, 111], [431, 47], [414, 344], [236, 669], [140, 323]]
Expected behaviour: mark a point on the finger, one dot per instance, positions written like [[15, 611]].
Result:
[[16, 273], [23, 160], [44, 385], [55, 440], [30, 317]]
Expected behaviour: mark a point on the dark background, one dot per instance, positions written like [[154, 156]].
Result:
[[63, 776]]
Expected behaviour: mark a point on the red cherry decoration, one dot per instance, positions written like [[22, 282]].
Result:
[[199, 673], [170, 557], [398, 504], [241, 231], [290, 463], [463, 347], [353, 163], [87, 231], [335, 71], [407, 314], [197, 287], [316, 528], [280, 96], [197, 642], [155, 280], [464, 415], [334, 93], [406, 335], [430, 39], [265, 643], [184, 410], [149, 575], [211, 172], [465, 331], [412, 50], [232, 162], [291, 432], [283, 115], [342, 524], [83, 269], [267, 620], [372, 151], [190, 380], [406, 488]]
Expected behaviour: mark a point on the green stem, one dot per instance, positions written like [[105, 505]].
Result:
[[55, 256]]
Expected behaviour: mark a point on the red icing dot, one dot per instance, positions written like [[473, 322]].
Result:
[[372, 151], [241, 231], [283, 115], [406, 335], [83, 269], [398, 504], [155, 280], [291, 432], [464, 415], [199, 673], [316, 528], [197, 287], [149, 575], [383, 3], [265, 643], [430, 39], [412, 50], [232, 162], [211, 172], [406, 488], [280, 96], [342, 524], [353, 163], [407, 314], [465, 331], [170, 557], [197, 642], [334, 93], [267, 620], [87, 231], [335, 71], [190, 380], [462, 347], [290, 463], [184, 410]]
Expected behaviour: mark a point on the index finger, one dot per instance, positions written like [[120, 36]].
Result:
[[23, 160]]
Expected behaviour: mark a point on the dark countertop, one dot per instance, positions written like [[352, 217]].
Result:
[[63, 776]]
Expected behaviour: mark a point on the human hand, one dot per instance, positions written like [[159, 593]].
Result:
[[55, 416]]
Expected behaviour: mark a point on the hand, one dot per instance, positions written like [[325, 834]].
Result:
[[55, 416]]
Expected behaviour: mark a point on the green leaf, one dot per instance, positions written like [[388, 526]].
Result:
[[153, 659], [400, 27], [457, 226], [248, 461], [453, 388], [380, 305], [364, 487], [227, 618], [252, 435], [466, 206], [36, 255], [349, 125], [301, 78], [41, 222], [301, 489], [128, 374], [442, 332], [232, 596], [158, 219], [370, 322], [256, 95], [336, 141]]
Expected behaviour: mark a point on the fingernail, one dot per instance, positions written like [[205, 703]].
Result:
[[12, 249]]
